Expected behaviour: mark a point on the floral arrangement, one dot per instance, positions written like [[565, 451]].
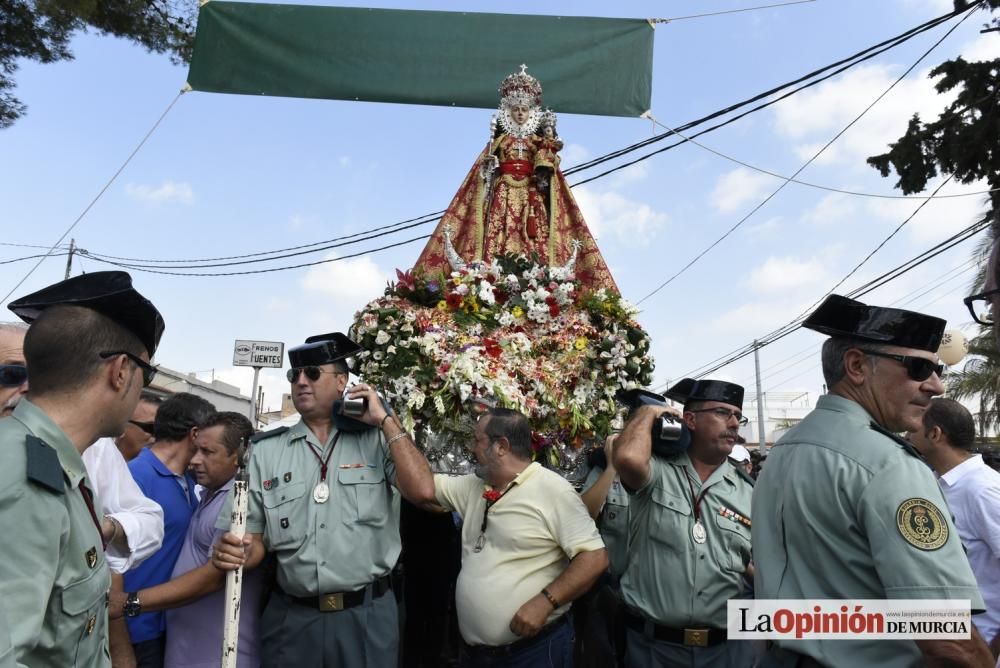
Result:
[[509, 333]]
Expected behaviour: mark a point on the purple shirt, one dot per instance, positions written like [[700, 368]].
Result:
[[194, 632]]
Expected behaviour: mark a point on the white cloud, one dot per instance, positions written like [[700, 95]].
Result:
[[984, 47], [575, 154], [814, 116], [168, 191], [784, 273], [940, 218], [741, 186], [756, 318], [834, 208], [633, 223], [344, 161], [931, 8], [347, 284], [272, 380]]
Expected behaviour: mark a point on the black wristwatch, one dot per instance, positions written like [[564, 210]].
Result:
[[132, 607]]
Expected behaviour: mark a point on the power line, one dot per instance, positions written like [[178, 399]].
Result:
[[809, 162], [258, 271], [99, 194], [729, 11]]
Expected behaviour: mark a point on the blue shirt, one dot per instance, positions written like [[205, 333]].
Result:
[[161, 485]]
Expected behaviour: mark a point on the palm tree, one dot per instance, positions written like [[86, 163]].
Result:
[[980, 376]]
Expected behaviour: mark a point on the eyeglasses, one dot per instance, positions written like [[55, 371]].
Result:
[[311, 372], [917, 368], [13, 375], [981, 306], [148, 370], [725, 414], [145, 426]]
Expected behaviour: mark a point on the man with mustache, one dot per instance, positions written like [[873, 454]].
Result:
[[689, 527], [846, 509]]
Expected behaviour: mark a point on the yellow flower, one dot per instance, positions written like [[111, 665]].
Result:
[[580, 343], [442, 305], [517, 312]]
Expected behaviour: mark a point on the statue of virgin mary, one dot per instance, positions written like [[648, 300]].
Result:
[[515, 199]]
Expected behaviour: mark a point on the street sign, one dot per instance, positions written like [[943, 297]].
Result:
[[259, 354]]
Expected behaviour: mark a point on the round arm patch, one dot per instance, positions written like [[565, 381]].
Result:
[[921, 524]]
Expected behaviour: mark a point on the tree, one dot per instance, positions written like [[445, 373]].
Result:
[[964, 140], [980, 376], [41, 30]]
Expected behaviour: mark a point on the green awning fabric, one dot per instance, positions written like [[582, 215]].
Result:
[[586, 65]]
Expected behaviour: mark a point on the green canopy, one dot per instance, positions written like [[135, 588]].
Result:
[[585, 65]]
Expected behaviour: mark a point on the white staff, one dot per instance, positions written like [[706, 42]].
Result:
[[234, 579]]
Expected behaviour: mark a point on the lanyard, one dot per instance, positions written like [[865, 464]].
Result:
[[323, 462], [88, 498], [489, 504], [695, 500]]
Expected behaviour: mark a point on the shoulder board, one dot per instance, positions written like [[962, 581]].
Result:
[[261, 435], [42, 465], [743, 474], [901, 442]]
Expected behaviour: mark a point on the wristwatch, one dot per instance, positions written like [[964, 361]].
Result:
[[132, 607]]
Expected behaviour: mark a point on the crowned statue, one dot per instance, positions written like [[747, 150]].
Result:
[[515, 199]]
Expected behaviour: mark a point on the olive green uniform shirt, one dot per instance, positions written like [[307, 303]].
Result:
[[845, 510], [54, 580], [671, 579], [342, 544], [612, 522]]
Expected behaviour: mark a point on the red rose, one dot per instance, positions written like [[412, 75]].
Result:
[[454, 301], [553, 310]]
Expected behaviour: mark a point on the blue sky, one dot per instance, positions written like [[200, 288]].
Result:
[[225, 175]]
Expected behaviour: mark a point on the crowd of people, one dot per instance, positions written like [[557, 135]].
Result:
[[117, 509]]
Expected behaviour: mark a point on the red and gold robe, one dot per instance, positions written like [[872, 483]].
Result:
[[510, 214]]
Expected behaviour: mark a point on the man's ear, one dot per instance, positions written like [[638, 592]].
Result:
[[935, 434], [118, 372], [503, 445], [854, 366], [689, 419]]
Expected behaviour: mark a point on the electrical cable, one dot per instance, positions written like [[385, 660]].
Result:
[[810, 161], [729, 11]]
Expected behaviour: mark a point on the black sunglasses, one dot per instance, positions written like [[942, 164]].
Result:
[[145, 426], [979, 306], [148, 370], [13, 375], [312, 373], [917, 368]]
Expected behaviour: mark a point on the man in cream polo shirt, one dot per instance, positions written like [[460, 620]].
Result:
[[529, 548]]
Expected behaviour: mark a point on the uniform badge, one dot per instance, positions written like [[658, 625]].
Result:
[[284, 522], [266, 484], [288, 477], [921, 524], [91, 557]]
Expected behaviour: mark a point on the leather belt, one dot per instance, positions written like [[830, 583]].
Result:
[[695, 637], [342, 600], [516, 646]]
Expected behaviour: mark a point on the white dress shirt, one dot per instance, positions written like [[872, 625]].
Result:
[[973, 492], [141, 517]]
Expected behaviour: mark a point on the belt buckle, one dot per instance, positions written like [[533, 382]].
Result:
[[696, 637], [331, 602]]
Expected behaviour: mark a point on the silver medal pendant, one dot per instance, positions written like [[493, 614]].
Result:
[[698, 532], [480, 543], [321, 492]]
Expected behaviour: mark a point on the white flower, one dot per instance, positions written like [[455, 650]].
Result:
[[439, 404], [382, 337], [391, 350], [462, 289], [464, 391], [378, 355], [486, 294]]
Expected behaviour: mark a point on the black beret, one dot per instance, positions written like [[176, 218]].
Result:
[[322, 349], [107, 292], [690, 389], [842, 317]]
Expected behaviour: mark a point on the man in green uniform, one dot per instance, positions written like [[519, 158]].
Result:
[[845, 509], [88, 349], [323, 499], [689, 529]]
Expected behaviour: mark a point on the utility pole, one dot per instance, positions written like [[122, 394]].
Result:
[[761, 427], [69, 258]]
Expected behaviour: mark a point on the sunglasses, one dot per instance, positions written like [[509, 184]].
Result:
[[145, 426], [725, 414], [13, 375], [981, 305], [148, 370], [917, 368], [312, 373]]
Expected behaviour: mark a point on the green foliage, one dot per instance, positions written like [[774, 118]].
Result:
[[979, 375], [41, 30]]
